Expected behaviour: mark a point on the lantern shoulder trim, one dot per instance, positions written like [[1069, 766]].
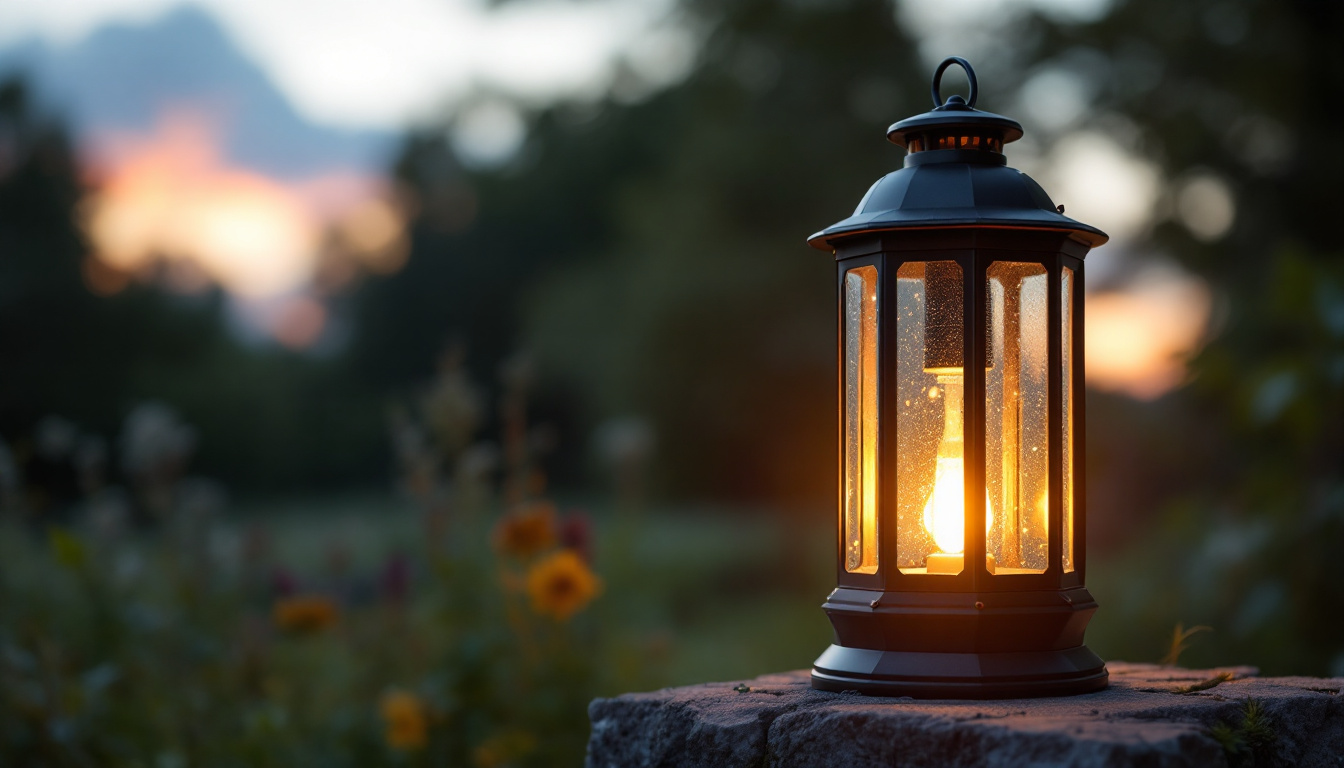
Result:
[[924, 195]]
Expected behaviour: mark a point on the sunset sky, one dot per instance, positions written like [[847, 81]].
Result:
[[279, 240]]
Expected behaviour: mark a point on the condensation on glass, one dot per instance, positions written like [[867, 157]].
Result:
[[1066, 385], [930, 481], [861, 518], [1017, 464]]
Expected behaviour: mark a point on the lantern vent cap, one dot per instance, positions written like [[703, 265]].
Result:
[[953, 116]]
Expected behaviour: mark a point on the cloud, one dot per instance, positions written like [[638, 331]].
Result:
[[383, 65], [169, 201]]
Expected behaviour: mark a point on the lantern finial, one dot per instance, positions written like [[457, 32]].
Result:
[[949, 121], [954, 102]]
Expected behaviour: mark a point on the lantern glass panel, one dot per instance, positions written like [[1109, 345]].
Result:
[[860, 320], [1017, 466], [930, 480], [1066, 384]]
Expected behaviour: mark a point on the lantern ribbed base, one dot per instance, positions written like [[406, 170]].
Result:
[[959, 675]]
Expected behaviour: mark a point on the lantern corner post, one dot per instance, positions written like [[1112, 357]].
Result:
[[1079, 577], [976, 332]]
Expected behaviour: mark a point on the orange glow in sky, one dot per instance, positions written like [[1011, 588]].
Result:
[[1138, 339], [169, 198]]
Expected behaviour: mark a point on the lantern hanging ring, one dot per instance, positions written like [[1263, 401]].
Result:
[[938, 102]]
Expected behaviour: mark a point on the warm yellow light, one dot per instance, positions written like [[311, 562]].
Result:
[[945, 511], [860, 509], [944, 514]]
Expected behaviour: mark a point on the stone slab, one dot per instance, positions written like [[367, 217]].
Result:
[[1142, 719]]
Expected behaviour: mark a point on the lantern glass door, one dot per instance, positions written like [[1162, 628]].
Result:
[[860, 500], [1017, 463], [1066, 386], [930, 389]]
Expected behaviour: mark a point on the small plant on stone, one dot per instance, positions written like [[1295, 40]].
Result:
[[1249, 743], [1180, 642]]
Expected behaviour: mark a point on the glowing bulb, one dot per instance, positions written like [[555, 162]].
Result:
[[943, 514], [945, 511]]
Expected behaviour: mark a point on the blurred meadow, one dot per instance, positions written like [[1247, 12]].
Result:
[[379, 383]]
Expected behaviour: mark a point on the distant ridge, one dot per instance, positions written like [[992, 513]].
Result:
[[124, 76]]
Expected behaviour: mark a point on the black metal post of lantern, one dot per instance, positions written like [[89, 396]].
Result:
[[961, 521]]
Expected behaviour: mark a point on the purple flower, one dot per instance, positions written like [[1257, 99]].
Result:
[[576, 533], [395, 580], [283, 583]]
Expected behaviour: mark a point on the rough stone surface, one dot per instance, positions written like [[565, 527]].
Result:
[[1141, 720]]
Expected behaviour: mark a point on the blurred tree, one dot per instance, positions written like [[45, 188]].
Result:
[[593, 242], [1249, 96], [649, 248], [65, 349], [83, 342]]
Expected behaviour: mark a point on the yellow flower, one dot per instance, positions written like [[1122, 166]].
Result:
[[305, 613], [526, 531], [406, 720], [561, 584]]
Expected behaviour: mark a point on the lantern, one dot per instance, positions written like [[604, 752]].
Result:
[[961, 513]]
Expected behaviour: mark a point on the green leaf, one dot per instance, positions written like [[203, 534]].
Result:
[[68, 549]]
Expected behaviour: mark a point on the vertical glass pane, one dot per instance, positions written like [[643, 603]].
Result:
[[930, 481], [861, 420], [1066, 385], [1017, 468]]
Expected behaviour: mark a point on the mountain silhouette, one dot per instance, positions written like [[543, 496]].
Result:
[[123, 77]]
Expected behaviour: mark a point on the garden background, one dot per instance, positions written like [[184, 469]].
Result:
[[379, 386]]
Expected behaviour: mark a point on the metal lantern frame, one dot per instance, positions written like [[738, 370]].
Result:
[[978, 633]]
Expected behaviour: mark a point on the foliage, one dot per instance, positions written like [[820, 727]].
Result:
[[1249, 742], [663, 272], [465, 625], [647, 246], [274, 671], [1251, 499], [662, 269], [179, 663], [276, 420]]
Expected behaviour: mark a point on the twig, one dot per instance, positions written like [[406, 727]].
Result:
[[1204, 685]]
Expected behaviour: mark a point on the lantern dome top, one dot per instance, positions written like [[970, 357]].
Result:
[[955, 175]]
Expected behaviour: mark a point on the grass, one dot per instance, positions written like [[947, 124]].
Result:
[[151, 647], [171, 646], [700, 586], [1180, 641], [1250, 741]]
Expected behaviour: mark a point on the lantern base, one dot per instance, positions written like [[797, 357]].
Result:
[[1014, 675]]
